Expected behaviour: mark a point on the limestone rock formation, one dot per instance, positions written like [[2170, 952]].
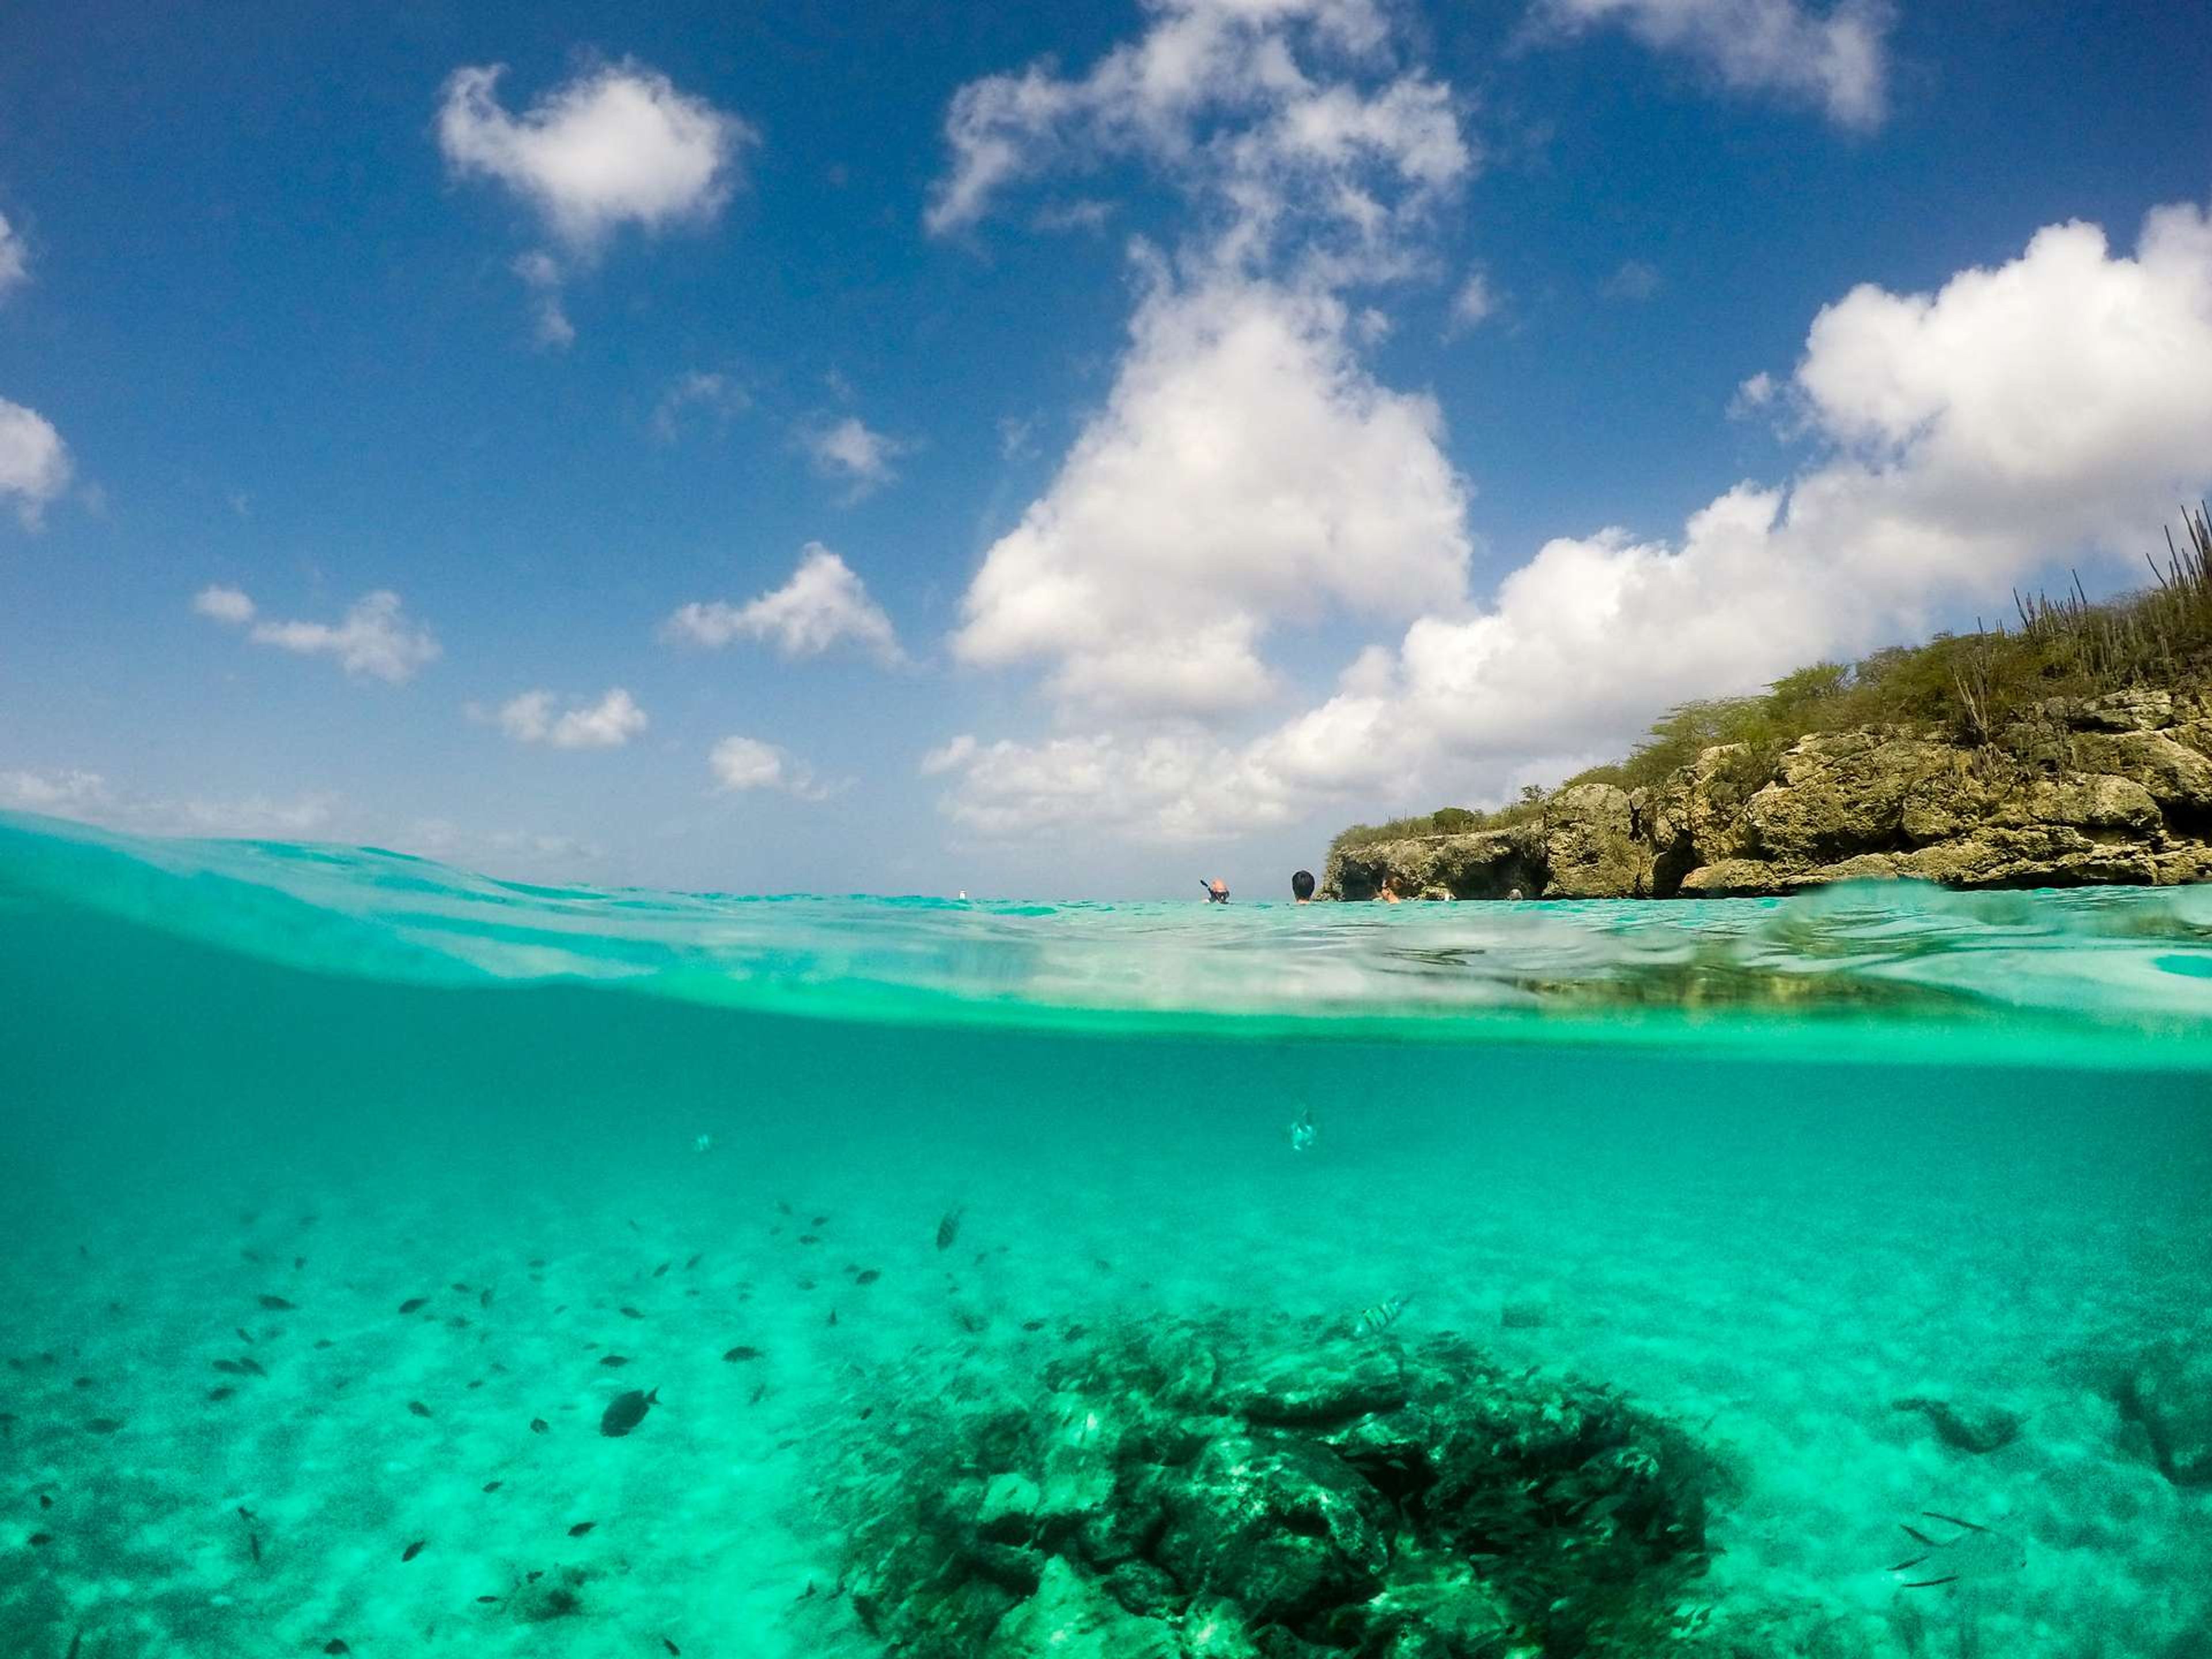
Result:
[[2111, 789]]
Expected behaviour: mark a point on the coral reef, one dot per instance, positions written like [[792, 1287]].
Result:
[[1238, 1488]]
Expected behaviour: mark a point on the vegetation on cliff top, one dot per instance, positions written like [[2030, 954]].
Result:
[[1975, 685]]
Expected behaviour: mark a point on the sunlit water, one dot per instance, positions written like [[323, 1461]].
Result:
[[1768, 1167]]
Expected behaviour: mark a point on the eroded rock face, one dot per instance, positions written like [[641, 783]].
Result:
[[1267, 1488], [2111, 789]]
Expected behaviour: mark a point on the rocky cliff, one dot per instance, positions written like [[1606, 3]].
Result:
[[2110, 789]]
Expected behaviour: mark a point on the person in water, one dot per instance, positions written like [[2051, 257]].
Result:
[[1301, 886], [1389, 893], [1217, 890]]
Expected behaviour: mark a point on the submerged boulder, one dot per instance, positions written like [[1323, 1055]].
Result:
[[2166, 1393], [1246, 1488]]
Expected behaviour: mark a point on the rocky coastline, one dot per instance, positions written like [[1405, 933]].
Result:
[[2109, 790]]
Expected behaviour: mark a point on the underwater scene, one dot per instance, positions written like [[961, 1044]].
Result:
[[403, 1261]]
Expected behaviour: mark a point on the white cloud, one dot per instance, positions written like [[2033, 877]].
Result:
[[1635, 280], [34, 461], [223, 604], [743, 764], [2044, 409], [1836, 59], [1754, 394], [14, 259], [848, 449], [375, 637], [1475, 302], [611, 722], [825, 603], [1246, 469], [72, 793], [616, 145], [713, 394], [1281, 112], [541, 274]]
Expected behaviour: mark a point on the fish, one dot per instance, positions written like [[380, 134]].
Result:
[[537, 1425], [630, 1312], [278, 1304], [948, 1229], [484, 1299], [413, 1549], [253, 1543], [492, 1486], [810, 1238], [334, 1645], [662, 1268], [103, 1425], [1974, 1552], [240, 1332], [414, 1303], [626, 1411], [743, 1351], [251, 1366], [230, 1368], [672, 1647], [866, 1276], [615, 1360], [418, 1408], [694, 1262], [581, 1527], [76, 1645], [221, 1392], [1380, 1317], [38, 1539], [460, 1289], [46, 1500]]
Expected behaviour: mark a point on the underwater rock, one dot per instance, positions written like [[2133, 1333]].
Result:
[[2165, 1391], [1246, 1488], [1977, 1429]]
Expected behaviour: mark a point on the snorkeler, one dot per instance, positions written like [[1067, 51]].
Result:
[[1217, 890], [1301, 886], [1302, 1132]]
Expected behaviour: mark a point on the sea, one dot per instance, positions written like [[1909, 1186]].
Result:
[[344, 1192]]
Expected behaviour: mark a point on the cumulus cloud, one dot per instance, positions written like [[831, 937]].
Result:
[[375, 637], [223, 604], [14, 259], [823, 604], [88, 797], [534, 717], [618, 145], [1476, 301], [1246, 469], [741, 763], [696, 391], [2045, 409], [1281, 112], [848, 449], [67, 794], [1836, 59], [34, 461]]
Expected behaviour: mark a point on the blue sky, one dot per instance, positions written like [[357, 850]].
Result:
[[1218, 419]]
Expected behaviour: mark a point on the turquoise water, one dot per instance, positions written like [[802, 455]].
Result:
[[1769, 1168]]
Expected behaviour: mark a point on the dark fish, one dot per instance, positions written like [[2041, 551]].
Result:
[[784, 1205], [413, 1549], [866, 1276], [457, 1321], [1033, 1324], [482, 1599], [492, 1486], [634, 1228], [76, 1645], [484, 1301], [459, 1288], [581, 1527], [743, 1351], [298, 1262], [104, 1425], [222, 1393], [833, 1316], [537, 1261], [418, 1408], [810, 1238], [626, 1411], [412, 1302], [251, 1366], [46, 1500], [614, 1360], [324, 1342], [754, 1398], [240, 1332], [335, 1646], [630, 1312], [694, 1262], [37, 1538], [537, 1425], [230, 1368], [253, 1543], [278, 1304], [246, 1515], [672, 1647], [948, 1229], [662, 1268]]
